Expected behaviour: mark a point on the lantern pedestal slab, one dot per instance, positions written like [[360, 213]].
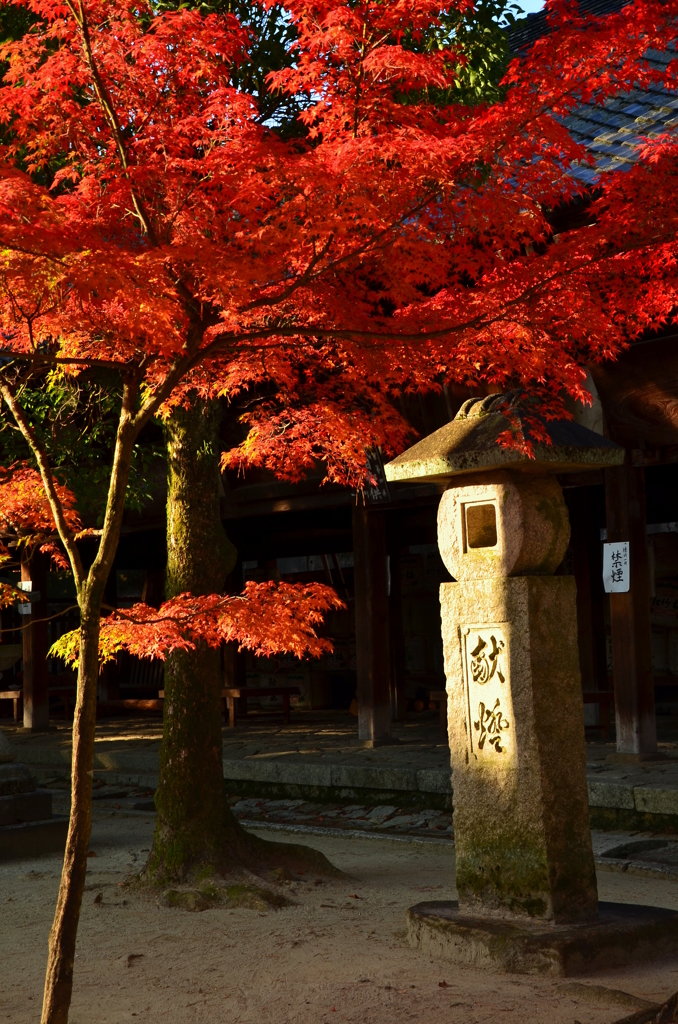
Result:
[[622, 934]]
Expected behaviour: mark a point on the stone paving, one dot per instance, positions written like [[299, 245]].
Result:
[[312, 737], [318, 757], [616, 851], [384, 819], [317, 751]]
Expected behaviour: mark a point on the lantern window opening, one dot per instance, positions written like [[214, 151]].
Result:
[[480, 525]]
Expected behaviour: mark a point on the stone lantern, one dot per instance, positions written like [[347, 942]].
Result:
[[525, 871]]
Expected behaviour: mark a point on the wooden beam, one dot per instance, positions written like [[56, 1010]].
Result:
[[373, 659], [630, 613], [35, 643]]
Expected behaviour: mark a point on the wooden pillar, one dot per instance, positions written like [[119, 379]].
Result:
[[35, 643], [587, 568], [373, 659], [397, 637], [630, 613]]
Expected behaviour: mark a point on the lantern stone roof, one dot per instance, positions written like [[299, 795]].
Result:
[[469, 444]]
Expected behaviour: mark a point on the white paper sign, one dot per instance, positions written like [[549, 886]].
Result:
[[26, 586], [616, 569]]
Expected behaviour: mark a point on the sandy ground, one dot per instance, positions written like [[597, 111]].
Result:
[[329, 957]]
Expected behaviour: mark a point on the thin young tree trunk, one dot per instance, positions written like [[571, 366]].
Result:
[[62, 938], [63, 934]]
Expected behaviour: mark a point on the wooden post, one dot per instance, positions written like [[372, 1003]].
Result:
[[373, 659], [397, 638], [154, 587], [235, 666], [35, 642], [630, 613], [587, 568]]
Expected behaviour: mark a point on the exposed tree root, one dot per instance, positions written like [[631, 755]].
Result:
[[228, 850]]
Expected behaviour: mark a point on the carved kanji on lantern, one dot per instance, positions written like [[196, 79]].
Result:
[[488, 698], [490, 725]]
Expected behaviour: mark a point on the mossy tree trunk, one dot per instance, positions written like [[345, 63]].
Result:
[[196, 834], [192, 816]]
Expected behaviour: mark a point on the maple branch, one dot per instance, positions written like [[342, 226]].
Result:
[[41, 457], [11, 586], [37, 254], [184, 617], [110, 114], [34, 622], [372, 243], [299, 282]]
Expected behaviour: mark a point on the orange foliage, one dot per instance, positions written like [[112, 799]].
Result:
[[267, 618], [26, 517], [396, 247], [399, 246]]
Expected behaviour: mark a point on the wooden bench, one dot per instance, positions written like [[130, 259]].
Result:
[[231, 694], [18, 697], [65, 692]]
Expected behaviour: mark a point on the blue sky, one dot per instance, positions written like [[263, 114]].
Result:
[[530, 5]]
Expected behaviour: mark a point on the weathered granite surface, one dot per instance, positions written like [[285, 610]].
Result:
[[531, 526], [621, 934], [517, 746], [469, 444]]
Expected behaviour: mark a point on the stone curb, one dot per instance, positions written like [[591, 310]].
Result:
[[142, 769], [33, 838], [340, 776], [648, 799], [324, 776]]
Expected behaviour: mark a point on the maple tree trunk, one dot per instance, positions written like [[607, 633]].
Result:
[[62, 937], [63, 934], [196, 832], [191, 801]]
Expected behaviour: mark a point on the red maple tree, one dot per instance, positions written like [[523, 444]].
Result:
[[26, 520], [402, 242]]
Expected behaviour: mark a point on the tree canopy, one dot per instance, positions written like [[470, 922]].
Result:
[[397, 246], [156, 228], [181, 245]]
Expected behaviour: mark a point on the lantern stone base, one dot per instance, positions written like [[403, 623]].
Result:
[[622, 934], [33, 838]]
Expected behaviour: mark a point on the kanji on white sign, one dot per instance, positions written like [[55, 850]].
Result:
[[616, 569]]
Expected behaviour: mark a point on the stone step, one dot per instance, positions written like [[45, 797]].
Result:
[[33, 838], [370, 784], [23, 807]]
